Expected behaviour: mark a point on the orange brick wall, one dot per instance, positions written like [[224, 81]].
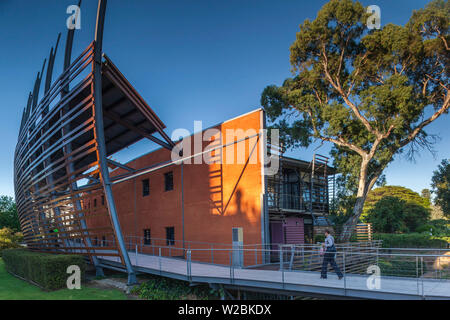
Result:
[[217, 197]]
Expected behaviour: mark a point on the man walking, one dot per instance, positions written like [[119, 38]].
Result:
[[328, 258]]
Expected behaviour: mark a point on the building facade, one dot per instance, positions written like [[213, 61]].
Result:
[[219, 194]]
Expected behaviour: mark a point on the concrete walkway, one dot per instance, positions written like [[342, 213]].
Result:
[[354, 286]]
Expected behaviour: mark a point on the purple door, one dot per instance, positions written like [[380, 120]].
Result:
[[276, 233]]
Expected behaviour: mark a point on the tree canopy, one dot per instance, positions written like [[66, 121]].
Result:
[[399, 192], [8, 214], [368, 92], [441, 186]]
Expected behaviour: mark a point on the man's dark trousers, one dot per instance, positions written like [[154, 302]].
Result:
[[329, 259]]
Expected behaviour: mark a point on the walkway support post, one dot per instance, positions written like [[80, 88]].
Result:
[[345, 276], [100, 135]]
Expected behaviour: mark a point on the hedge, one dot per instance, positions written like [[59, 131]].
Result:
[[49, 271], [411, 240]]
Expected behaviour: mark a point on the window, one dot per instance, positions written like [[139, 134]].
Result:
[[103, 241], [145, 187], [96, 241], [170, 236], [95, 202], [168, 181], [103, 200], [147, 237]]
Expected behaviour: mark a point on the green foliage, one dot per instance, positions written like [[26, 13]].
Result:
[[8, 214], [411, 240], [426, 193], [387, 216], [393, 209], [393, 215], [369, 92], [441, 186], [9, 239], [49, 271], [399, 267], [319, 238], [398, 192], [161, 288], [439, 227]]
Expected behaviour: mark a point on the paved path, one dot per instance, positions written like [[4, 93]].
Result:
[[292, 281]]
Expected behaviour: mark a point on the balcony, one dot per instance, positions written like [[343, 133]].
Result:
[[293, 202], [286, 202]]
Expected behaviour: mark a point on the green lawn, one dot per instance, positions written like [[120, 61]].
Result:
[[12, 288]]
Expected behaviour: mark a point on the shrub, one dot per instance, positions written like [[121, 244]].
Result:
[[411, 240], [160, 288], [9, 239], [438, 227], [319, 238], [48, 271]]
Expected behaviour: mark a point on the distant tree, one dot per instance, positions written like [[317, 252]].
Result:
[[441, 186], [366, 91], [8, 214], [426, 193], [395, 215], [387, 215], [399, 192], [9, 239]]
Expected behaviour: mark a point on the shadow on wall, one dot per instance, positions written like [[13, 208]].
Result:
[[237, 203]]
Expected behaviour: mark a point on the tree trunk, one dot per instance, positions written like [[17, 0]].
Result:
[[363, 189]]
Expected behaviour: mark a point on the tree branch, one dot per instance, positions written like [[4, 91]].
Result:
[[424, 123]]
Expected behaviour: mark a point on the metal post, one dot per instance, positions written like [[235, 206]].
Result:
[[256, 257], [189, 266], [291, 263], [345, 275], [136, 254], [303, 255], [421, 269], [212, 254], [100, 135], [159, 261], [417, 274], [377, 255], [231, 266], [280, 252]]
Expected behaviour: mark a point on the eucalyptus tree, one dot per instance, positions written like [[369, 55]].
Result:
[[369, 92]]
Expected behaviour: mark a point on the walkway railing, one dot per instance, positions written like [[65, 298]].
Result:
[[402, 272], [352, 258]]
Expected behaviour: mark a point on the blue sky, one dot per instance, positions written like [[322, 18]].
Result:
[[191, 60]]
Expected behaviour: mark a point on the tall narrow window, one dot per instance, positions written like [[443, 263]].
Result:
[[95, 202], [145, 187], [103, 200], [147, 237], [170, 236], [168, 181]]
